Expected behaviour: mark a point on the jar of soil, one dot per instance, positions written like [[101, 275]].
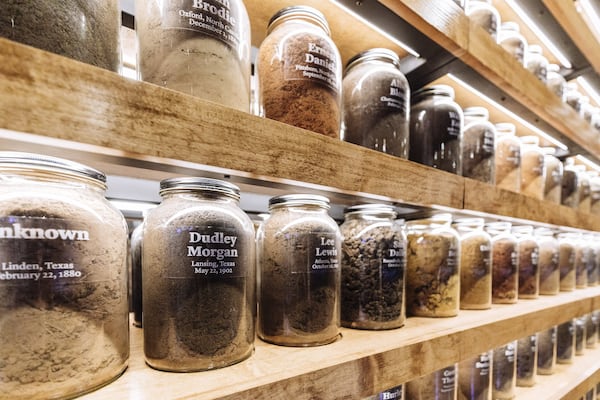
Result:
[[376, 103], [595, 195], [136, 274], [591, 330], [572, 96], [433, 276], [299, 247], [592, 248], [546, 351], [300, 72], [505, 272], [553, 175], [567, 242], [584, 189], [548, 261], [527, 360], [570, 187], [565, 342], [528, 262], [86, 31], [475, 264], [533, 170], [556, 82], [198, 277], [63, 281], [508, 158], [511, 40], [504, 371], [439, 385], [536, 63], [583, 253], [484, 14], [436, 129], [475, 378], [478, 149], [580, 335], [373, 268]]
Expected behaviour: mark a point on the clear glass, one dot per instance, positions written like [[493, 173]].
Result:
[[584, 189], [566, 261], [591, 330], [135, 244], [300, 72], [376, 103], [553, 176], [595, 195], [478, 146], [504, 371], [528, 259], [507, 158], [373, 268], [556, 82], [527, 360], [433, 276], [511, 40], [580, 334], [299, 246], [87, 31], [439, 385], [201, 48], [565, 342], [592, 248], [548, 261], [505, 271], [570, 187], [583, 257], [475, 378], [533, 171], [475, 264], [64, 316], [198, 279], [536, 63], [484, 14], [546, 358]]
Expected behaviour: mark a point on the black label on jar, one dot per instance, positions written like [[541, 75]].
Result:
[[448, 378], [488, 141], [311, 60], [391, 394]]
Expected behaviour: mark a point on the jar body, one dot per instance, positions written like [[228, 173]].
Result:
[[570, 188], [69, 283], [505, 277], [548, 263], [537, 64], [556, 82], [565, 342], [136, 274], [504, 371], [373, 272], [527, 360], [300, 77], [595, 196], [553, 179], [528, 262], [546, 359], [591, 330], [583, 253], [201, 48], [475, 378], [198, 282], [375, 107], [440, 385], [508, 162], [580, 334], [533, 171], [514, 43], [95, 41], [299, 275], [584, 189], [478, 150], [566, 262], [485, 15]]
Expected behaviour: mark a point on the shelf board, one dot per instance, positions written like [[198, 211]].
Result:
[[358, 365]]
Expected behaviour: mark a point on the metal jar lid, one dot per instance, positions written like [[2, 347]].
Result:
[[299, 200], [371, 209], [199, 184], [305, 12], [379, 54], [476, 112], [434, 90]]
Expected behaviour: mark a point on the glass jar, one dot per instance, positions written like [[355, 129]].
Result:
[[135, 244], [572, 96], [201, 48], [436, 129], [433, 279], [504, 370], [595, 195], [511, 40], [373, 268], [591, 247], [86, 31], [475, 264], [198, 277], [507, 159], [532, 167], [565, 342], [548, 261], [527, 360], [586, 109], [580, 334], [64, 316], [528, 259], [546, 351], [583, 253], [584, 189], [298, 270], [553, 175], [595, 120], [300, 72], [376, 103], [475, 378], [505, 277], [591, 330], [556, 82], [484, 14], [439, 385], [567, 242], [395, 393], [570, 187], [478, 149], [536, 63]]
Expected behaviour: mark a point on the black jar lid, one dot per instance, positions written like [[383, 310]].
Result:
[[306, 12], [299, 200], [371, 209], [434, 90], [379, 54], [199, 184]]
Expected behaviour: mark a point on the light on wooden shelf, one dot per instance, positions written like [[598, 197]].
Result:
[[590, 16]]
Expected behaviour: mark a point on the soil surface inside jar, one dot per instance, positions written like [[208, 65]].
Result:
[[475, 273]]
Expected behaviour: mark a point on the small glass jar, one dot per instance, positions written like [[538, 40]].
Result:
[[565, 342], [583, 253], [556, 82], [373, 268], [536, 63], [475, 264], [570, 187], [546, 358], [63, 282], [553, 175], [511, 40], [548, 261], [201, 48], [135, 244], [573, 96], [475, 378], [478, 149], [505, 272], [592, 248], [533, 170], [436, 129], [595, 121], [299, 247], [580, 334], [567, 242], [507, 158], [595, 195], [198, 277], [528, 259], [300, 72], [584, 190], [439, 385], [484, 14], [586, 109], [527, 360], [376, 103], [433, 276], [591, 330], [504, 370]]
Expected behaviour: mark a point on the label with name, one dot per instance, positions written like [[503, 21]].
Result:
[[317, 252], [315, 61], [448, 378], [395, 393], [395, 98]]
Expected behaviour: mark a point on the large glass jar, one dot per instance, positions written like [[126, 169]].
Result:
[[433, 276], [376, 103], [556, 82], [570, 187], [565, 342], [484, 14], [533, 171], [373, 268], [475, 378], [299, 247], [548, 261], [536, 63], [436, 129], [511, 40], [567, 242], [504, 370], [505, 272], [136, 274], [546, 351], [197, 47], [478, 149], [527, 360], [87, 31], [64, 316], [300, 72], [439, 385], [553, 175], [198, 277], [528, 259], [507, 158], [475, 264]]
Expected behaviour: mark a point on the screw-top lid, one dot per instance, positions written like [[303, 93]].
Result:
[[379, 54], [305, 12], [434, 90], [299, 200], [510, 26], [370, 209], [200, 184], [476, 112]]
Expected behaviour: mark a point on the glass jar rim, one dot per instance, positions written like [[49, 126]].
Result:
[[476, 112], [371, 209], [199, 184], [299, 199], [434, 90], [380, 54], [307, 12]]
